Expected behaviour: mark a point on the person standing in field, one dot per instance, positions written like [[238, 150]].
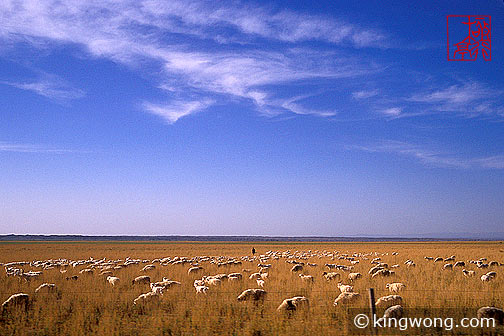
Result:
[[253, 251]]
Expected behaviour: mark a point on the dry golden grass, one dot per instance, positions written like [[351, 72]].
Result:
[[92, 306]]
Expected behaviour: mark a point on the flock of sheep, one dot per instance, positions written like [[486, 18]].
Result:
[[255, 269]]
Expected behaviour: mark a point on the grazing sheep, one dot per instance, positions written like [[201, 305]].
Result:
[[306, 278], [147, 297], [468, 273], [158, 290], [396, 311], [438, 259], [375, 269], [264, 276], [148, 268], [143, 279], [297, 268], [345, 288], [331, 276], [492, 274], [212, 281], [459, 264], [235, 275], [254, 294], [255, 276], [395, 287], [488, 276], [293, 304], [88, 271], [113, 280], [201, 289], [346, 297], [16, 300], [389, 300], [493, 263], [260, 283], [199, 283], [195, 269], [383, 272], [491, 312], [354, 276], [448, 266], [46, 287]]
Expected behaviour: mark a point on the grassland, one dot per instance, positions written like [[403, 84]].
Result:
[[90, 305]]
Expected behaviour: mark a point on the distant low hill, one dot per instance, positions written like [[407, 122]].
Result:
[[421, 237]]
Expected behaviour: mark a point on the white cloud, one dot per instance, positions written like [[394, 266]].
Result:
[[132, 32], [364, 94], [49, 89], [433, 158], [30, 148], [392, 111], [172, 112], [470, 99]]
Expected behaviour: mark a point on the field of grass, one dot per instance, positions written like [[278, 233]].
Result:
[[90, 305]]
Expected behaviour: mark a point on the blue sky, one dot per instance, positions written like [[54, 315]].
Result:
[[279, 118]]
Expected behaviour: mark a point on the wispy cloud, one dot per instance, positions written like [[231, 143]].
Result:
[[30, 148], [392, 111], [433, 158], [470, 99], [237, 65], [172, 112], [364, 94], [49, 86]]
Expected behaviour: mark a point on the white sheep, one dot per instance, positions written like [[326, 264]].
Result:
[[113, 280], [468, 273], [395, 287], [212, 281], [16, 300], [260, 283], [396, 311], [354, 276], [345, 288], [147, 297], [255, 276], [331, 276], [297, 268], [306, 278], [383, 272], [194, 269], [488, 276], [346, 297], [46, 287], [294, 304], [253, 294], [389, 300], [448, 266], [158, 290], [491, 312], [201, 289], [143, 279]]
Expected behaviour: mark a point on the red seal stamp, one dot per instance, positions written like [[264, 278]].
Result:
[[468, 36]]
